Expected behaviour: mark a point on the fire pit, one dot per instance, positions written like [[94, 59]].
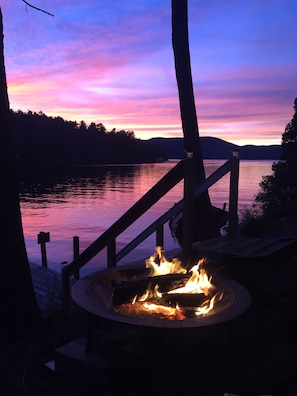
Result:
[[161, 295]]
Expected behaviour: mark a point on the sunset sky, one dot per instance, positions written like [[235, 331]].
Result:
[[111, 62]]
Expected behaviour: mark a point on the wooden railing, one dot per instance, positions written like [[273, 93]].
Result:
[[108, 238]]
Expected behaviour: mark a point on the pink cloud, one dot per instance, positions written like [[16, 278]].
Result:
[[113, 63]]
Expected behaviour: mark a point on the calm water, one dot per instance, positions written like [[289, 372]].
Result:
[[87, 204]]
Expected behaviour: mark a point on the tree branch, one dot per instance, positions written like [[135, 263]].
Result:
[[38, 9]]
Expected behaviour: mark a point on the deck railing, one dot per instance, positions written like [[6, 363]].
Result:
[[108, 238]]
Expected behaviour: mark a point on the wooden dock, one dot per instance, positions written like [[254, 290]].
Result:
[[47, 283], [48, 288], [248, 247]]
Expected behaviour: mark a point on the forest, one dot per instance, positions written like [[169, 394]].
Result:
[[52, 143]]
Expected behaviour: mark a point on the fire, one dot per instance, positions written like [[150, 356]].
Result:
[[164, 310], [150, 309], [154, 301], [206, 307], [198, 282], [161, 266], [149, 294]]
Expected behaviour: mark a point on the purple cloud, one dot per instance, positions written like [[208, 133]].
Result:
[[112, 62]]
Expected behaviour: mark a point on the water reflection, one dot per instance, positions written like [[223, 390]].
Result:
[[83, 181]]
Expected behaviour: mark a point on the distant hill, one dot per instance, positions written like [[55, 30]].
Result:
[[215, 148]]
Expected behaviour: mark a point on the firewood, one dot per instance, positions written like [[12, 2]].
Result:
[[125, 291], [185, 299]]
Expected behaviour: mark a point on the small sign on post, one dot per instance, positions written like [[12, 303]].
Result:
[[42, 239]]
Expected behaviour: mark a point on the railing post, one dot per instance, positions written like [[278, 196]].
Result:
[[76, 254], [160, 235], [233, 194], [188, 209], [111, 252], [42, 238], [65, 290]]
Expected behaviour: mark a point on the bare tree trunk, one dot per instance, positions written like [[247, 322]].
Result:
[[194, 167], [18, 306]]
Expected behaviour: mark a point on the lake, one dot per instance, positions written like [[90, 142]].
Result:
[[86, 203]]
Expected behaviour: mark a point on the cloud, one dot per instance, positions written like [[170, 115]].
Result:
[[112, 62]]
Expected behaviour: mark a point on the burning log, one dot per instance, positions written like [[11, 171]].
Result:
[[170, 281], [186, 300], [151, 311], [125, 291]]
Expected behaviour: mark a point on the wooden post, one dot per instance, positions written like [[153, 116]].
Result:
[[189, 210], [42, 239], [65, 290], [160, 236], [233, 195], [76, 254], [111, 252]]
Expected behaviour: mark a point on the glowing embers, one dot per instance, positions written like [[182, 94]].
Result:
[[168, 292]]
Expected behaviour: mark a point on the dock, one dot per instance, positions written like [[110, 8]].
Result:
[[47, 282], [242, 247], [47, 285]]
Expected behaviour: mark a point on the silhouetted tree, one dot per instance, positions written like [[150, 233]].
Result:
[[82, 127], [279, 190], [198, 214], [289, 140], [18, 306], [52, 144]]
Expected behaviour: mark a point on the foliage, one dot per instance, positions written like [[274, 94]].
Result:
[[279, 190], [44, 142], [250, 212], [289, 140]]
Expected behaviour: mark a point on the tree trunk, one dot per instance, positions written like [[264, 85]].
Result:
[[18, 306], [194, 173]]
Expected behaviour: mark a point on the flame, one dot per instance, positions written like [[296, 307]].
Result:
[[198, 282], [149, 294], [164, 310], [163, 266], [149, 309], [208, 305]]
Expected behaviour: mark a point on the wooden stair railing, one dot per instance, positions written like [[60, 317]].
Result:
[[108, 238], [229, 166]]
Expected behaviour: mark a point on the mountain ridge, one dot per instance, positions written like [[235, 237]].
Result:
[[216, 148]]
